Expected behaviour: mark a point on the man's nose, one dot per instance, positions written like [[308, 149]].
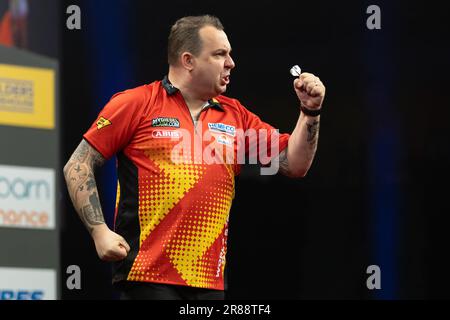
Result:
[[229, 63]]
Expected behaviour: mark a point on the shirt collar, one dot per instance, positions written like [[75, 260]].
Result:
[[169, 87], [171, 90]]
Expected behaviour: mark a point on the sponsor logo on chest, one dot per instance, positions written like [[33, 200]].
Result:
[[166, 122], [222, 128], [223, 139], [166, 134]]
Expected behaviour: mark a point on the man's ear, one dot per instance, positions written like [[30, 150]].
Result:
[[187, 61]]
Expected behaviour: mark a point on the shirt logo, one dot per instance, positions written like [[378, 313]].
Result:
[[166, 122], [222, 128], [223, 139], [102, 122], [166, 134]]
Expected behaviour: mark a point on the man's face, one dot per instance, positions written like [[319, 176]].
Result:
[[211, 73]]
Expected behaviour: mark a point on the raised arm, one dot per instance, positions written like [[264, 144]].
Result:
[[297, 158], [82, 187]]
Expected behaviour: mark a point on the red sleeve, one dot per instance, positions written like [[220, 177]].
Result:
[[116, 123], [266, 142]]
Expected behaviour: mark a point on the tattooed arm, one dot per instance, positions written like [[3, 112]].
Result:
[[79, 174], [297, 158], [80, 180]]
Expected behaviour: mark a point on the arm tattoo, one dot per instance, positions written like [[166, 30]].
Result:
[[86, 154], [313, 129], [312, 138], [90, 184], [82, 152], [283, 162], [92, 213], [97, 158], [80, 179]]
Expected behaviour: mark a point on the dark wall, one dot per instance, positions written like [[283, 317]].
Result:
[[384, 129]]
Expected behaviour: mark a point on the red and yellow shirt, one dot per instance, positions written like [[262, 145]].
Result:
[[176, 184]]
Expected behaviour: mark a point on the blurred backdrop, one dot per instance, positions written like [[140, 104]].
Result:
[[377, 191]]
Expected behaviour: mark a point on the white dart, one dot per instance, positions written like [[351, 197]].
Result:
[[296, 71]]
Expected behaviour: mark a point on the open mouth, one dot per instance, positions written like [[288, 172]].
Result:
[[226, 79]]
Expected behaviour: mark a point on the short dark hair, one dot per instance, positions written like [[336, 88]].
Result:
[[184, 35]]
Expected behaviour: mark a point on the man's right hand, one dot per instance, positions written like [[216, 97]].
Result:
[[109, 245]]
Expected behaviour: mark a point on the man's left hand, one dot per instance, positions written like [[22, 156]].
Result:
[[310, 90]]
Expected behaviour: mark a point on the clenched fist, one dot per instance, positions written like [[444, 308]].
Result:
[[109, 245], [310, 90]]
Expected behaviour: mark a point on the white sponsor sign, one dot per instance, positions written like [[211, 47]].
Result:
[[27, 197], [27, 284]]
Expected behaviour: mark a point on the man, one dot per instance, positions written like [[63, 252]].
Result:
[[171, 220], [13, 24]]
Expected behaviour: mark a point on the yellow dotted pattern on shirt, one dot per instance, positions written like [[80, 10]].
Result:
[[203, 221], [188, 246], [158, 195]]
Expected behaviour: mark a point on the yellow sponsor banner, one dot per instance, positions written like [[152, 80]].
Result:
[[27, 96]]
